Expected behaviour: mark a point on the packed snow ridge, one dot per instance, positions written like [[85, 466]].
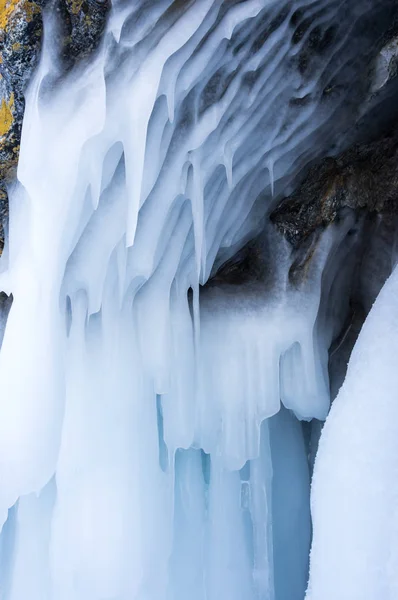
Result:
[[151, 437]]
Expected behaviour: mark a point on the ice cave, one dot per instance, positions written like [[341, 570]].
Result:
[[198, 308]]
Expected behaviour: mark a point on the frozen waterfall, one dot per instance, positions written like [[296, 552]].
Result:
[[151, 436]]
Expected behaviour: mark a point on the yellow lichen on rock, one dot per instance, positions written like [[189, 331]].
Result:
[[7, 7], [75, 6], [30, 9], [6, 115]]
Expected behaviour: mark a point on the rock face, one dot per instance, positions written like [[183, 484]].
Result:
[[360, 184], [83, 23], [21, 29], [20, 37], [364, 177]]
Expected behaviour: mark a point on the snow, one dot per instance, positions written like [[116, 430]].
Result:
[[354, 491]]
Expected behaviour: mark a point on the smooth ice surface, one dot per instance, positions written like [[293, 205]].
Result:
[[354, 494], [143, 453]]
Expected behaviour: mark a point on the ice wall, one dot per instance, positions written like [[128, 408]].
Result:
[[143, 452]]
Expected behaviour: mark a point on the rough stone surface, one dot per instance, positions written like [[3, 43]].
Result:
[[20, 37], [364, 177], [83, 25]]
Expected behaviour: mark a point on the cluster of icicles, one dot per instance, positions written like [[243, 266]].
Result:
[[144, 454]]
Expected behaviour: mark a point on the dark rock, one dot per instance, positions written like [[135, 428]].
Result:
[[365, 176], [84, 24], [20, 34], [3, 215]]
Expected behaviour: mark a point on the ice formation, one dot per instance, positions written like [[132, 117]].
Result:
[[354, 503], [144, 453]]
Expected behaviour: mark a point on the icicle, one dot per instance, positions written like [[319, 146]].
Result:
[[170, 97], [198, 212], [270, 167], [228, 160]]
